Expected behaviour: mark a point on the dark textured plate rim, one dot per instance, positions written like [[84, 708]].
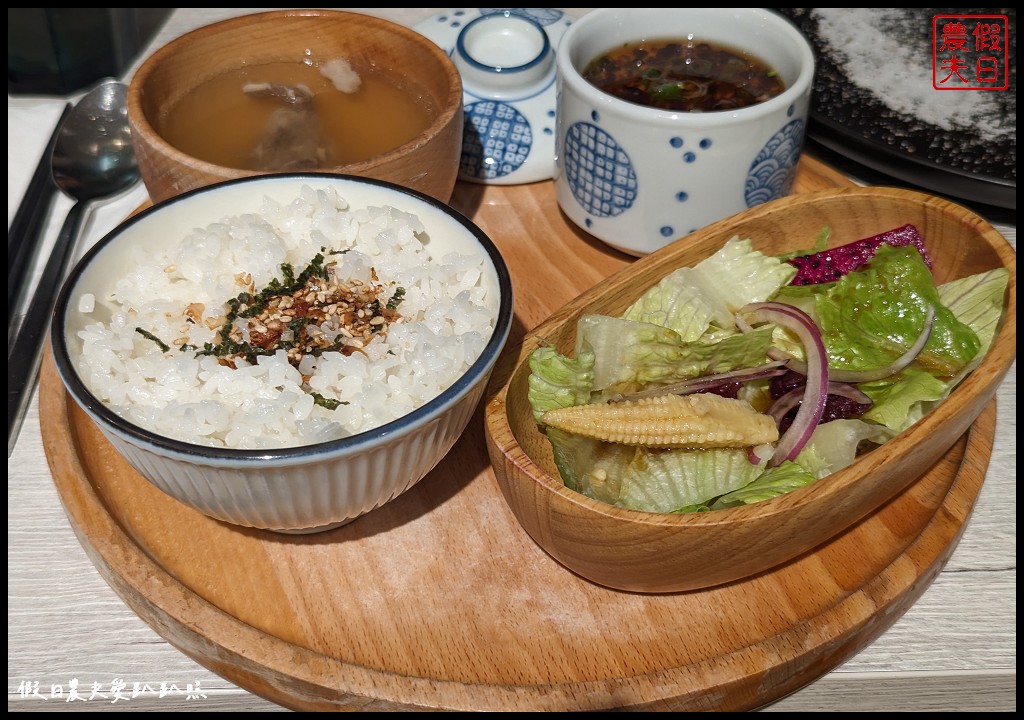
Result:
[[938, 178], [928, 173]]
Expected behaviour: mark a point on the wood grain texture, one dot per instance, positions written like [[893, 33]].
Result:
[[440, 600], [663, 552]]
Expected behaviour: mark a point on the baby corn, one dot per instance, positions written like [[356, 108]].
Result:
[[700, 420]]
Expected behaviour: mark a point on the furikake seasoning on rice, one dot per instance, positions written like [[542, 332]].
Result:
[[304, 322]]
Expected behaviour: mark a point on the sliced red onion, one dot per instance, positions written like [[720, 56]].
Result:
[[815, 391], [707, 382], [784, 403], [847, 390], [859, 376], [759, 454]]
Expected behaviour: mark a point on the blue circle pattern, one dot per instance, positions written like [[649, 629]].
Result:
[[599, 171], [773, 171], [499, 142]]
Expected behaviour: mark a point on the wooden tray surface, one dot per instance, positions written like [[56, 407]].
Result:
[[439, 599]]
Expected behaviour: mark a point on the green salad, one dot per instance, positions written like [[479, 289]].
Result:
[[841, 361]]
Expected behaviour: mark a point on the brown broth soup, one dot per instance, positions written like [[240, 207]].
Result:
[[292, 116], [684, 75]]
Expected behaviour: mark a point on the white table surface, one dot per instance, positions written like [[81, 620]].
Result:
[[955, 649]]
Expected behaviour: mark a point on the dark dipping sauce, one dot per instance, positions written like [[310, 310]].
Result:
[[683, 75]]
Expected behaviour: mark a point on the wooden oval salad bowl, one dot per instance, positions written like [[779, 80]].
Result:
[[668, 552]]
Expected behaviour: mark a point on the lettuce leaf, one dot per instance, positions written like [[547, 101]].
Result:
[[977, 300], [690, 299], [673, 480], [558, 381], [870, 317], [589, 466], [836, 444], [630, 355], [899, 401], [779, 480], [649, 479]]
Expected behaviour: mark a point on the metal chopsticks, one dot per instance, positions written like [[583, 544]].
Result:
[[25, 232]]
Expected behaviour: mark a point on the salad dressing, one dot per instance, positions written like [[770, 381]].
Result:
[[883, 334]]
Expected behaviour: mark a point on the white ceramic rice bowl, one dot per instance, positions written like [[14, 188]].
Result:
[[305, 488]]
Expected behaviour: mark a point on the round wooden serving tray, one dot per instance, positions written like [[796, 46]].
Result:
[[440, 600]]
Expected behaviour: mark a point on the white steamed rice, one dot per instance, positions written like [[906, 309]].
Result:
[[447, 319]]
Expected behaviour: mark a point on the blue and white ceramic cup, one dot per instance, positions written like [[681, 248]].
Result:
[[639, 177]]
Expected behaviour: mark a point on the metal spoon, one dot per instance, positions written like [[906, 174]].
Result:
[[92, 159]]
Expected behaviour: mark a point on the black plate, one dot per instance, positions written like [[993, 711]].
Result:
[[958, 143]]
